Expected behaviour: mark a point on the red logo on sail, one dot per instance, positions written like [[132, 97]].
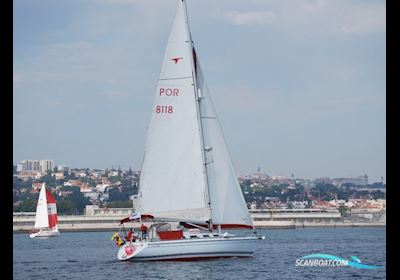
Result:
[[176, 59]]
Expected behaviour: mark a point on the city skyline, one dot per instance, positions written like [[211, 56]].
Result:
[[299, 86], [29, 165]]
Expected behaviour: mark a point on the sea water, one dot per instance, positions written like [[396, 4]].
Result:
[[92, 255]]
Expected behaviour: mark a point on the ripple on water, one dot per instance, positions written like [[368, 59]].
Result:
[[93, 256]]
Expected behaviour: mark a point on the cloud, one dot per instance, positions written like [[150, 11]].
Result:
[[242, 99], [340, 16], [366, 18], [66, 61], [53, 104], [250, 18], [313, 16]]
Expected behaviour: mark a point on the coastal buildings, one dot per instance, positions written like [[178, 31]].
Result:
[[262, 179], [35, 165], [83, 186], [104, 219]]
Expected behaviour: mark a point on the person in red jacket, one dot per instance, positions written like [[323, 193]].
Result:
[[131, 236], [143, 230]]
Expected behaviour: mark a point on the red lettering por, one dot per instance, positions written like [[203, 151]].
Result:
[[169, 92]]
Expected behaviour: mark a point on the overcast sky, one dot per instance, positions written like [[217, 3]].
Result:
[[299, 85]]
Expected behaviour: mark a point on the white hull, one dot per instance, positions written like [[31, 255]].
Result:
[[44, 234], [189, 249]]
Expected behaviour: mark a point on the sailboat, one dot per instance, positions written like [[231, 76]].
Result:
[[188, 187], [46, 215]]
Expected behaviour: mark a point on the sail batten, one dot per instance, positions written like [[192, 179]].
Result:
[[179, 78]]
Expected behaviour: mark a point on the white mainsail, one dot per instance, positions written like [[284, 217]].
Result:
[[172, 182], [187, 172], [42, 219]]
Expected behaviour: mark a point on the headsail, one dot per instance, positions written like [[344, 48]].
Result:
[[228, 205]]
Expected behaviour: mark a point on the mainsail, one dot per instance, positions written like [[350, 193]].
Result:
[[46, 210], [42, 220], [187, 172], [172, 182]]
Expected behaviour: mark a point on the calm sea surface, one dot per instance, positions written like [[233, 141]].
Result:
[[91, 255]]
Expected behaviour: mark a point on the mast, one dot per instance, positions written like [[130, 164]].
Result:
[[198, 98]]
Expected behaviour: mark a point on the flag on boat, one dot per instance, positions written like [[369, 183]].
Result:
[[134, 216]]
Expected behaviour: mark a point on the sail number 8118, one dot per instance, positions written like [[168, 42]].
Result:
[[164, 109]]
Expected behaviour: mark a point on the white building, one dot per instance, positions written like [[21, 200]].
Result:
[[46, 165], [59, 175], [63, 168], [102, 187], [35, 165], [21, 166]]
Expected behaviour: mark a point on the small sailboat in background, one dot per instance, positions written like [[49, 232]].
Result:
[[188, 188], [46, 215]]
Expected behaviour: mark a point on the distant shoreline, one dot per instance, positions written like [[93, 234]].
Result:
[[296, 226]]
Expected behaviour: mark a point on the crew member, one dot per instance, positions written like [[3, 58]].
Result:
[[144, 230], [118, 240], [130, 236]]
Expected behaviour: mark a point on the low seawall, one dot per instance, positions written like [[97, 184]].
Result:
[[294, 225], [77, 223]]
